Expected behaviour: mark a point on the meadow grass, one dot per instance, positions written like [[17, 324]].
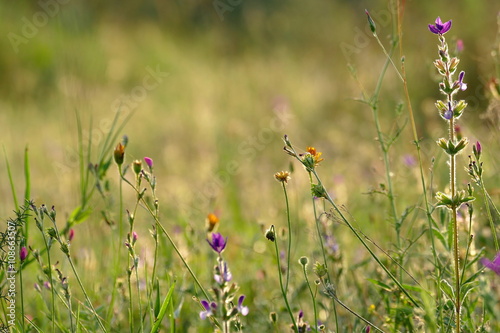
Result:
[[161, 213]]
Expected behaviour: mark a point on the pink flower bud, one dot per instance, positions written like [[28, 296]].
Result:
[[149, 161], [23, 253]]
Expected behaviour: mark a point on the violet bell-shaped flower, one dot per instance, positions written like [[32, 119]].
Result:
[[440, 28], [218, 243]]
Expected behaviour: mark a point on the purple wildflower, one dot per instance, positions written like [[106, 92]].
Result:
[[461, 84], [218, 242], [242, 309], [448, 113], [478, 147], [223, 274], [71, 234], [209, 309], [440, 28], [23, 253], [493, 265], [149, 162]]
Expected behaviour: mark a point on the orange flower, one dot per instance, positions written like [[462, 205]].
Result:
[[315, 154], [212, 222]]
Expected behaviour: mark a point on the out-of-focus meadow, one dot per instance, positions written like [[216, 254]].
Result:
[[209, 93]]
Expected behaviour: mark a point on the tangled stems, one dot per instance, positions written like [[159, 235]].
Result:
[[55, 234], [320, 237], [321, 192], [171, 241]]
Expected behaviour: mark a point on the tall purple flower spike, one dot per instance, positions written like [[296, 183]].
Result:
[[493, 265], [440, 28]]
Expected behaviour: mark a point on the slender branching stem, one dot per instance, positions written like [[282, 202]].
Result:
[[358, 236]]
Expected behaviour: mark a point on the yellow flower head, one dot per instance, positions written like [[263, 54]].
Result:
[[316, 155], [212, 222], [282, 177]]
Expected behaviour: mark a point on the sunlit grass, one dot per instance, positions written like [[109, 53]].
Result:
[[213, 125]]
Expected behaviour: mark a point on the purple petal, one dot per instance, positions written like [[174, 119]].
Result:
[[204, 314], [438, 21], [496, 261], [446, 27], [240, 300], [494, 266], [206, 305], [433, 29], [461, 76], [149, 161]]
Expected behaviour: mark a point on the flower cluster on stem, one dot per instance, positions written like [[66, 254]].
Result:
[[451, 110], [223, 309]]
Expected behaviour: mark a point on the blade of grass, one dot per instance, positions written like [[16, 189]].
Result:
[[163, 309]]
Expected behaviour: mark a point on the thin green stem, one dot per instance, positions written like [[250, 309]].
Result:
[[490, 217], [130, 303], [320, 236], [22, 295], [52, 292], [11, 180], [283, 292], [289, 237], [388, 56], [358, 316], [27, 190], [313, 298]]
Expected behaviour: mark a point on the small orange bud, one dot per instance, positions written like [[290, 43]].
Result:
[[119, 154], [212, 222]]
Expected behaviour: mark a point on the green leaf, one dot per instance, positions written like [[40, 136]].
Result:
[[78, 215], [381, 284], [163, 310], [447, 289], [440, 236]]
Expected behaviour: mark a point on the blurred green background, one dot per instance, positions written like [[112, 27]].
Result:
[[225, 72], [213, 86]]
